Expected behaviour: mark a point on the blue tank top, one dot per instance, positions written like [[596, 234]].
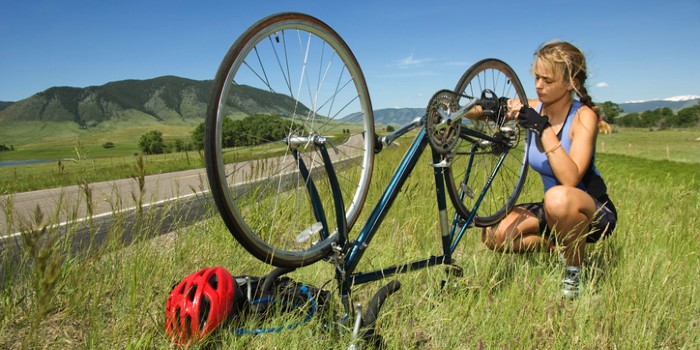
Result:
[[591, 182]]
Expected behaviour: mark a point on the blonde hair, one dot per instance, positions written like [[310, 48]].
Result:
[[568, 63]]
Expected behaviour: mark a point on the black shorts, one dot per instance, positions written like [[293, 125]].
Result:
[[602, 225]]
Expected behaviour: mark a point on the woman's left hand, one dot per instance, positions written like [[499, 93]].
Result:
[[514, 106]]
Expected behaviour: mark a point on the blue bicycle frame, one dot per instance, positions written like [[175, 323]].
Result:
[[451, 234]]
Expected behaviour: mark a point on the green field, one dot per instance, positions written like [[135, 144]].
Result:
[[77, 156], [641, 291]]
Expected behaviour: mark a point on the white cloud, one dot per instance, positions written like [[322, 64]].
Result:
[[410, 61], [602, 84]]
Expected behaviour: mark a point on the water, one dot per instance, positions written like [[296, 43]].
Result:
[[25, 162]]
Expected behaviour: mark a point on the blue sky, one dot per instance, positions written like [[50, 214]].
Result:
[[637, 50]]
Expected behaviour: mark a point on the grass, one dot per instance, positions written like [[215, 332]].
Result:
[[75, 156], [82, 157], [642, 289], [680, 145]]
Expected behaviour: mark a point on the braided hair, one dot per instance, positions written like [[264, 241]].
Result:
[[569, 63]]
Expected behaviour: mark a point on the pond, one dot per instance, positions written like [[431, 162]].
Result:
[[25, 162]]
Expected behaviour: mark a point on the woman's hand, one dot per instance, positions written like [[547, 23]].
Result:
[[514, 106], [530, 119]]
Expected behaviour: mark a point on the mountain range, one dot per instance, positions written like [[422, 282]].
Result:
[[171, 99], [674, 103], [168, 99]]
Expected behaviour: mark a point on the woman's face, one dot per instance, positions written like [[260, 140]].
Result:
[[550, 86]]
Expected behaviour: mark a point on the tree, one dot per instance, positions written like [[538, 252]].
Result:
[[152, 142], [181, 146], [650, 119], [687, 117], [610, 111], [198, 136], [631, 120]]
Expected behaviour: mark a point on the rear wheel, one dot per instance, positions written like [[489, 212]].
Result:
[[484, 144], [288, 88]]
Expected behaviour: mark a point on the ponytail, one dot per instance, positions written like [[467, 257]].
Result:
[[603, 127]]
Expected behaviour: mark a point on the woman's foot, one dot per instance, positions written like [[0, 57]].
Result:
[[571, 287]]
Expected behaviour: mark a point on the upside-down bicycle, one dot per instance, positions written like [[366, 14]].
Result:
[[290, 144]]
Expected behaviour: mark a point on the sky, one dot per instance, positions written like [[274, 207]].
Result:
[[636, 50]]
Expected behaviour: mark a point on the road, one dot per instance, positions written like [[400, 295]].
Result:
[[70, 204], [168, 201]]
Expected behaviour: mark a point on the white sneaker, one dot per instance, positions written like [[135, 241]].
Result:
[[571, 286]]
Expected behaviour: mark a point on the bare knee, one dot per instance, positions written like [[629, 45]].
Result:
[[558, 203], [491, 238]]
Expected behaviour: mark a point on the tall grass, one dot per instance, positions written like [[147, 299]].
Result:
[[641, 289]]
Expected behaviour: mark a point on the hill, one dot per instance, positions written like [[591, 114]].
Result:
[[168, 99], [674, 103], [5, 104]]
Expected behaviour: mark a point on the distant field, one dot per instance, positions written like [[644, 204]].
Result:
[[65, 142], [680, 145], [58, 140]]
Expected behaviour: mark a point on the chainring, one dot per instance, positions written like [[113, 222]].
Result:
[[442, 138]]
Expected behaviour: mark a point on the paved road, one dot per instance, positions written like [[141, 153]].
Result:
[[170, 199], [70, 203]]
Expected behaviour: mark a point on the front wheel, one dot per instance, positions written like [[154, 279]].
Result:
[[288, 93], [489, 162]]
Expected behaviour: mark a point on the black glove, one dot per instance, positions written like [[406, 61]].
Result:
[[493, 108], [530, 119]]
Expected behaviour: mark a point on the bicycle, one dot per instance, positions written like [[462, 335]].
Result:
[[290, 146]]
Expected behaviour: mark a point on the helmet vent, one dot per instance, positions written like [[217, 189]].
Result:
[[188, 324], [204, 308], [214, 282], [191, 293], [177, 317]]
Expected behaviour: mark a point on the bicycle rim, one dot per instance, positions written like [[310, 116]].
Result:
[[288, 75], [475, 160]]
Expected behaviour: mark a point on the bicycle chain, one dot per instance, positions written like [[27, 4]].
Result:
[[444, 139]]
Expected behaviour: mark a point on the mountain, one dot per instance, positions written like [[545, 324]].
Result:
[[5, 104], [167, 99], [674, 103]]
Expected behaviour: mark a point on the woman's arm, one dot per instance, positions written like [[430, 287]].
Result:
[[569, 168]]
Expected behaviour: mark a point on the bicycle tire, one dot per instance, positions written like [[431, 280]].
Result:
[[465, 184], [294, 75]]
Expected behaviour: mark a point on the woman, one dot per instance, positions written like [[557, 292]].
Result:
[[575, 208]]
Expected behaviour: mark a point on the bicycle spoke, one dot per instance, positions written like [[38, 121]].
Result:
[[499, 139], [311, 83]]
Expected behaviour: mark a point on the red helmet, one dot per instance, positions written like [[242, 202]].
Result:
[[200, 303]]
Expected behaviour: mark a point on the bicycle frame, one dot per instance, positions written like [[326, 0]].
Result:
[[451, 234]]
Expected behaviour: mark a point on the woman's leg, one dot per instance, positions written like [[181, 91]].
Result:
[[569, 211], [518, 232]]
